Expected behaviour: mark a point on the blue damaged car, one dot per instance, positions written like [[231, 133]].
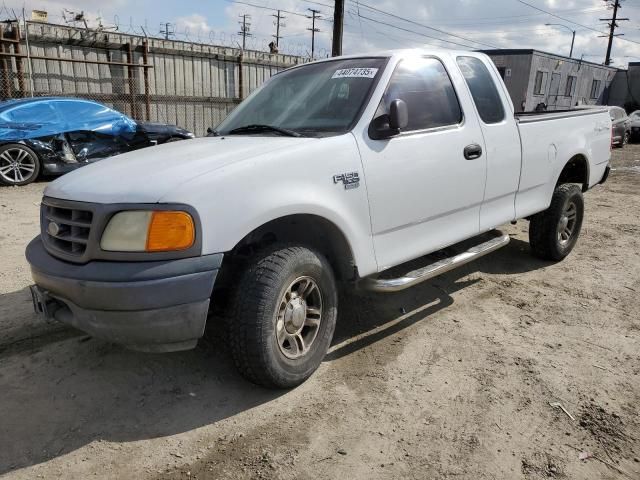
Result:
[[54, 135]]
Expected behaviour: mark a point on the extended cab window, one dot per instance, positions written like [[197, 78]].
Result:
[[425, 86], [483, 89]]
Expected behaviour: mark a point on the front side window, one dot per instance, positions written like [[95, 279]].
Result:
[[483, 89], [318, 99], [570, 89], [424, 85]]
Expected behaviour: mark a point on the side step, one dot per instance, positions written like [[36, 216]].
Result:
[[433, 270]]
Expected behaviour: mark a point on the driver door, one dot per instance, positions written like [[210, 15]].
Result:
[[425, 188]]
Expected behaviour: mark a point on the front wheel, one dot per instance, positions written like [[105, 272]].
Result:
[[625, 139], [554, 232], [19, 165], [282, 316]]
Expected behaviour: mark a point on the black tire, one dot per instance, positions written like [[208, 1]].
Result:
[[25, 157], [625, 138], [547, 239], [253, 315]]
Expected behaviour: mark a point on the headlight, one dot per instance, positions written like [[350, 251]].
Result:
[[148, 231]]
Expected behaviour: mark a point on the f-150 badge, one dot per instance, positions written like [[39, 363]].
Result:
[[349, 180]]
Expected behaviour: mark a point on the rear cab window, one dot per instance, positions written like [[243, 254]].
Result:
[[425, 86]]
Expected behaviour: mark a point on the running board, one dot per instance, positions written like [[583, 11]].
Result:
[[433, 270]]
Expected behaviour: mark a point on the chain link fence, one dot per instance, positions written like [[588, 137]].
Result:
[[193, 86], [183, 107]]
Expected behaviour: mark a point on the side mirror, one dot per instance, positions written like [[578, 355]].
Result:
[[398, 115], [388, 125]]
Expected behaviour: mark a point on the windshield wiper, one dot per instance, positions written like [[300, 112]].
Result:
[[254, 128]]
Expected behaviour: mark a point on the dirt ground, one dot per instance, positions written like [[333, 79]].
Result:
[[453, 379]]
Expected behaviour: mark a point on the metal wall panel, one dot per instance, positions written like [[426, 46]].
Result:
[[524, 67], [192, 85]]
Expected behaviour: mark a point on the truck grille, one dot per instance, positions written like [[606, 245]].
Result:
[[65, 229]]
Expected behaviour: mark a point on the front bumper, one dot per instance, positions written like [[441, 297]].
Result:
[[60, 168], [149, 306]]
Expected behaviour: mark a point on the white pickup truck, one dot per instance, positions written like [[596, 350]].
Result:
[[333, 171]]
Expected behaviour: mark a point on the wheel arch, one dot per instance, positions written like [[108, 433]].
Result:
[[576, 170], [311, 230]]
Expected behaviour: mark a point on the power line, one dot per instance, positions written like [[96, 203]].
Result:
[[263, 7], [571, 21], [507, 19], [414, 32], [318, 3], [428, 27]]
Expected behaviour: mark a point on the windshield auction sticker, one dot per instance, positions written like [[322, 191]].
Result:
[[355, 73]]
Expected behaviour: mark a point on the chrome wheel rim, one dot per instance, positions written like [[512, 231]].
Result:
[[567, 223], [16, 165], [298, 317]]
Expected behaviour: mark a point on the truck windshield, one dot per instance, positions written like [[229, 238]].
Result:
[[319, 99]]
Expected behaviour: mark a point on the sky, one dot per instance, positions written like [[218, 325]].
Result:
[[370, 25]]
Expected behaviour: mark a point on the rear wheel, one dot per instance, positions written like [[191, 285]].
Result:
[[19, 165], [554, 232], [282, 316]]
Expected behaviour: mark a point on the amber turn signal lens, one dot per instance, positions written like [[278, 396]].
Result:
[[170, 231]]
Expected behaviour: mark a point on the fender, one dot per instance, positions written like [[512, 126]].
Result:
[[240, 197]]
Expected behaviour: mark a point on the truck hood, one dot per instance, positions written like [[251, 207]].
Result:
[[145, 176]]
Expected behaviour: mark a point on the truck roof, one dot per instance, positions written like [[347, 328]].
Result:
[[404, 52], [395, 53]]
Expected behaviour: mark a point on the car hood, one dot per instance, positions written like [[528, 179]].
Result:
[[145, 176], [634, 122]]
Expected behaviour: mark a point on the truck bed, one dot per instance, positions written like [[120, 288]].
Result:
[[528, 117], [549, 140]]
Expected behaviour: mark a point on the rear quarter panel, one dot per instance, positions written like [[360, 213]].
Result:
[[548, 143]]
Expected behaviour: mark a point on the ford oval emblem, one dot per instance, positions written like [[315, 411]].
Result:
[[53, 229]]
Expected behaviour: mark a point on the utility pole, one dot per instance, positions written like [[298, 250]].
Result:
[[166, 29], [615, 4], [313, 30], [338, 25], [278, 18], [245, 29]]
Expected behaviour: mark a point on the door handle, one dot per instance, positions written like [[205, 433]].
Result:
[[473, 151]]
